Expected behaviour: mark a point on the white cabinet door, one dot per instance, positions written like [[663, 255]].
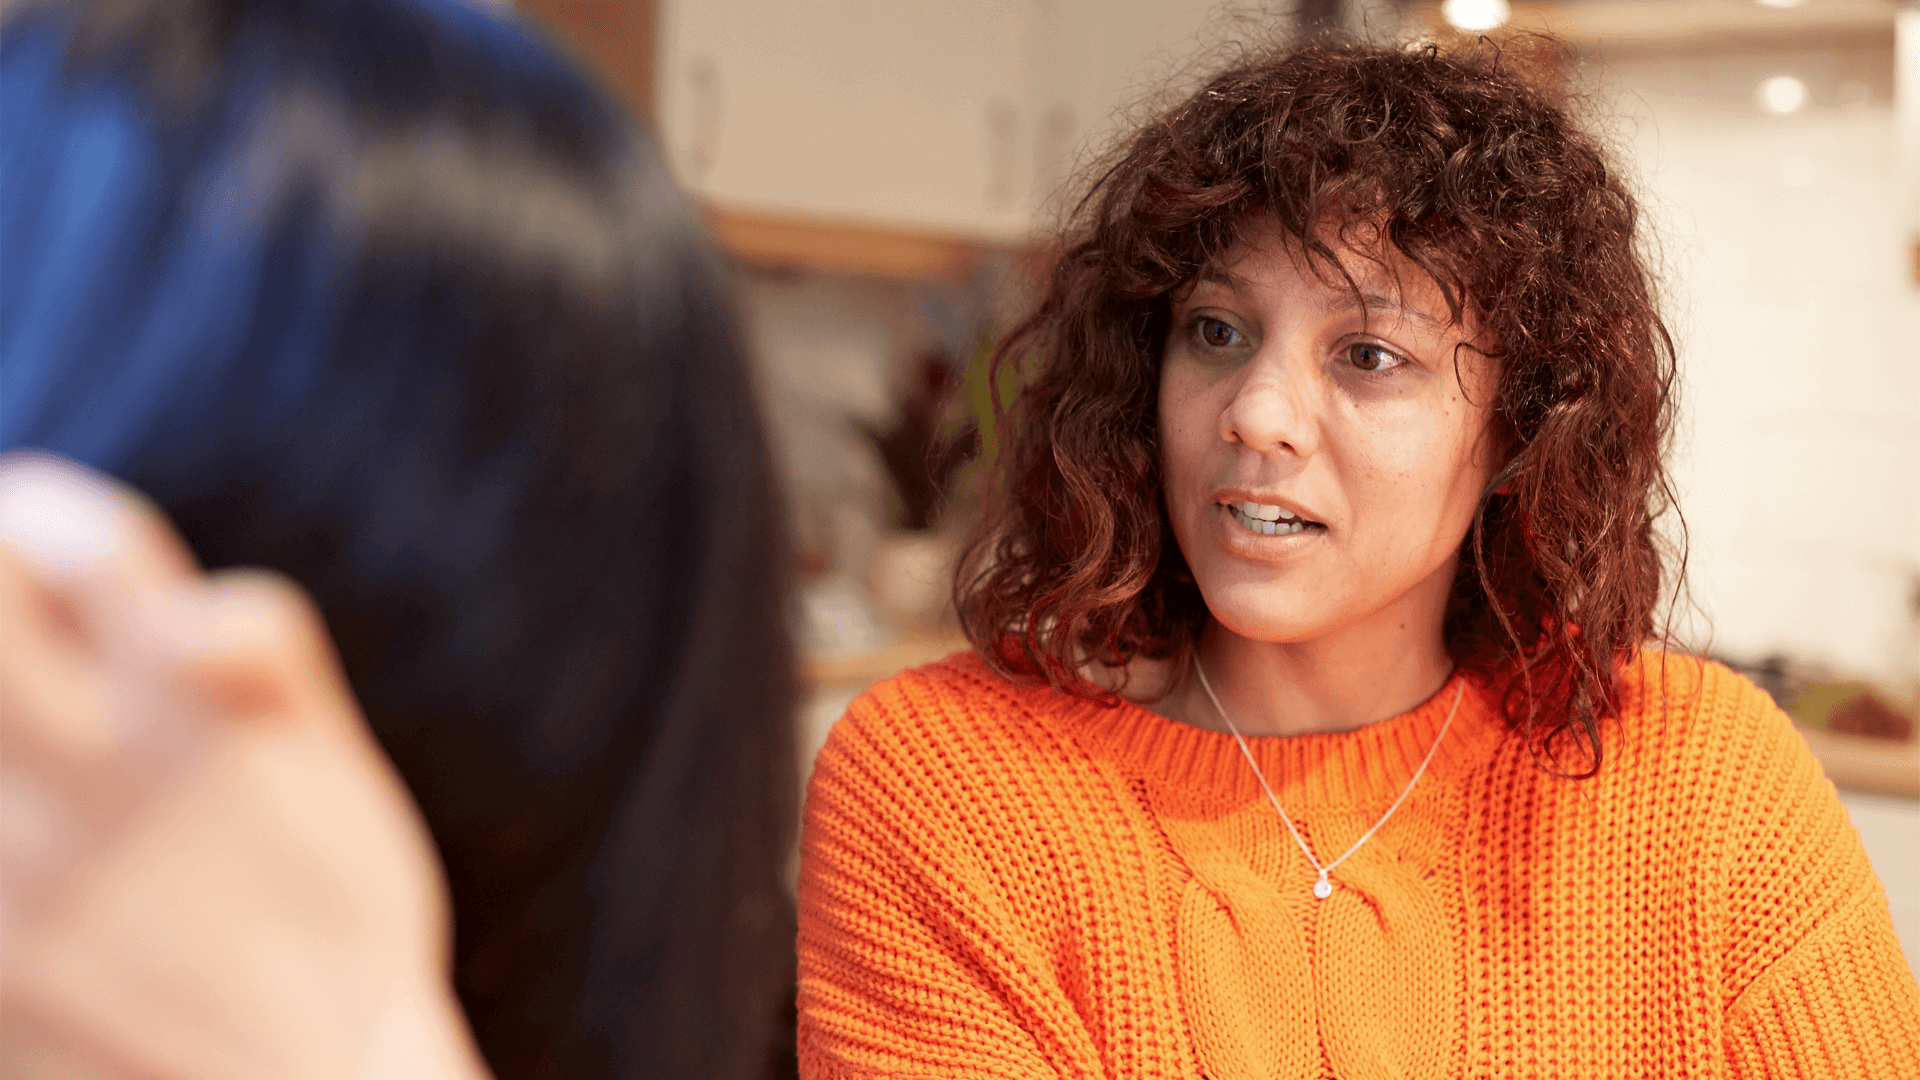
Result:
[[1097, 64], [955, 117], [904, 113]]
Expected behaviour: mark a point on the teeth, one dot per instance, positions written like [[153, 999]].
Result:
[[1260, 512], [1262, 526], [1264, 512]]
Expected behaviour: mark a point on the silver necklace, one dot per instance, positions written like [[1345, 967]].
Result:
[[1324, 888]]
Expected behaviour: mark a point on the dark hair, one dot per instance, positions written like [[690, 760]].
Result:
[[385, 296], [1474, 174]]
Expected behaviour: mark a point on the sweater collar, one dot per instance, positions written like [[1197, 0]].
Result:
[[1353, 767]]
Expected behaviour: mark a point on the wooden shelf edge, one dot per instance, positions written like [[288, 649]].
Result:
[[1680, 20], [1874, 766], [1656, 26], [783, 241], [865, 669]]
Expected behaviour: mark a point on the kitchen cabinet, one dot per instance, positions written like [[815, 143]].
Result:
[[943, 118], [893, 114]]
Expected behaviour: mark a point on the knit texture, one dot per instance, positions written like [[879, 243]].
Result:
[[1003, 881]]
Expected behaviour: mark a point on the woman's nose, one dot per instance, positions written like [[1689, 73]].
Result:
[[1275, 409]]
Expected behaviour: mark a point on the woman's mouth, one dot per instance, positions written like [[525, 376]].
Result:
[[1269, 520]]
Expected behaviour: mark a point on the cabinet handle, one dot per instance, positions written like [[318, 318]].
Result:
[[1052, 147], [1003, 122], [706, 111]]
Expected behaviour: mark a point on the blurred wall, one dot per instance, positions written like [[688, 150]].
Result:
[[1790, 281]]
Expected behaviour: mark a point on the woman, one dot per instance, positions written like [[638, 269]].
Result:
[[387, 298], [1310, 731]]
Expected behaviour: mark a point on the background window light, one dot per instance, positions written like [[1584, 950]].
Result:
[[1782, 94], [1476, 14]]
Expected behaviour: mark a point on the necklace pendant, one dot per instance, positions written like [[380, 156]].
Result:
[[1322, 889]]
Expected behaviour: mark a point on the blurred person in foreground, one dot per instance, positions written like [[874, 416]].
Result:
[[382, 298], [1317, 725]]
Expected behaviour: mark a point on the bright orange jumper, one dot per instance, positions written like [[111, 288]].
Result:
[[1002, 881]]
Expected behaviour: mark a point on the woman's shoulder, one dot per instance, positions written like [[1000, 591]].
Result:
[[1702, 698], [959, 742], [961, 681], [952, 774], [1695, 720], [955, 705]]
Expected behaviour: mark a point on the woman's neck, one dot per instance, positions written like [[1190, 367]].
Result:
[[1335, 683]]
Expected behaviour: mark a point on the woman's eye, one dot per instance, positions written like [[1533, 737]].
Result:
[[1216, 333], [1370, 357]]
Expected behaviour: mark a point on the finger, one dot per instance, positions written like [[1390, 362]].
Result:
[[81, 557], [95, 541], [254, 645], [89, 734], [52, 692], [288, 847], [263, 654], [88, 727]]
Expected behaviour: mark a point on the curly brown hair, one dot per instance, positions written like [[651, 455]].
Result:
[[1478, 176]]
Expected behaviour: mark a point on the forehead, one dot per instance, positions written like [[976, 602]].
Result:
[[1366, 272]]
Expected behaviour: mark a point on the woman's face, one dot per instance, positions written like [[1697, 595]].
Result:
[[1322, 459]]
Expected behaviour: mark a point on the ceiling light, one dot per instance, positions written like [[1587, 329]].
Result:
[[1476, 14], [1780, 3], [1782, 94]]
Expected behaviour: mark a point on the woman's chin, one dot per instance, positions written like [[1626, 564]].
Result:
[[1327, 603], [1271, 612]]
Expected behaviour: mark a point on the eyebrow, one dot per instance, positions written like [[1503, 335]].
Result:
[[1371, 301], [1376, 302]]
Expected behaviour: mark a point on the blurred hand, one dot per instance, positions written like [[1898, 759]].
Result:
[[208, 869]]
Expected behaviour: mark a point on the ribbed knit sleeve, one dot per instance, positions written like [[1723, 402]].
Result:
[[1841, 1004], [1818, 984]]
